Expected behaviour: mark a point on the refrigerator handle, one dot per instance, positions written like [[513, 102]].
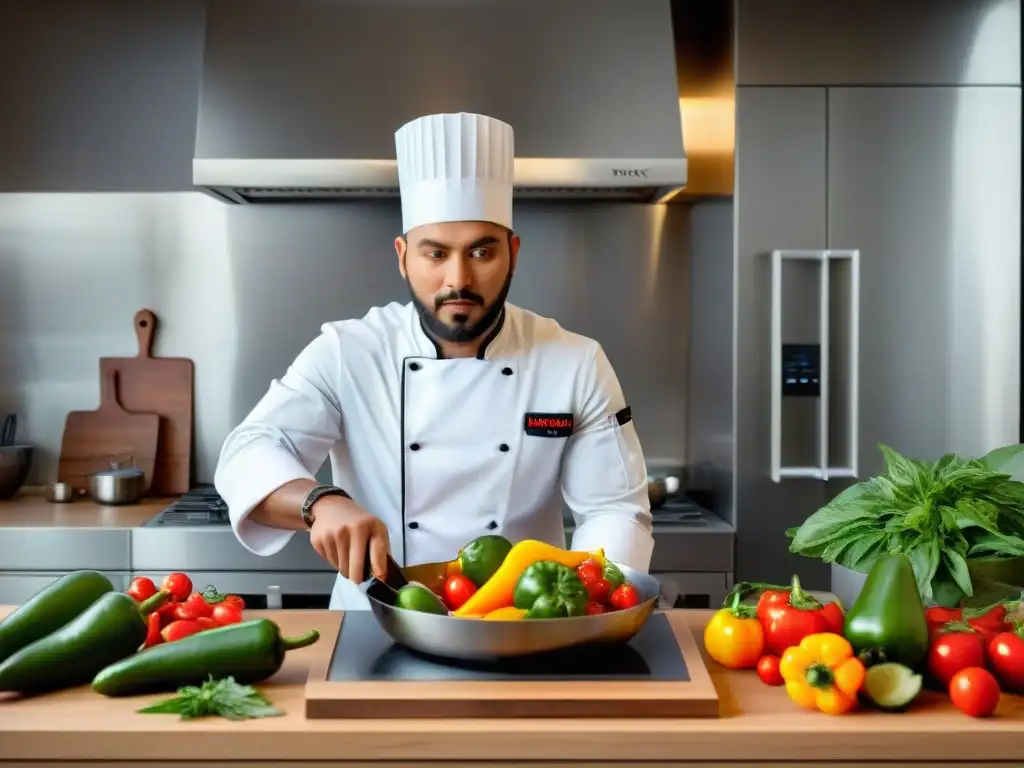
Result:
[[824, 469]]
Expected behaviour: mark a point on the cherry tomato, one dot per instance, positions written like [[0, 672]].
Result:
[[236, 601], [953, 651], [167, 613], [600, 590], [179, 629], [624, 596], [207, 622], [594, 608], [1006, 657], [768, 670], [974, 691], [589, 571], [141, 588], [457, 590], [178, 586], [225, 614]]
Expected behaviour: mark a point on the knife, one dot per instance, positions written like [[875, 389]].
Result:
[[394, 580]]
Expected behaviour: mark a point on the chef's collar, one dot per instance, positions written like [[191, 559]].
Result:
[[492, 346]]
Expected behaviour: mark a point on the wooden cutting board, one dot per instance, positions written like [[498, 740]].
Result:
[[94, 440], [660, 675], [164, 386]]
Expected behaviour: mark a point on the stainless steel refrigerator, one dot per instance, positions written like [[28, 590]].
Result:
[[877, 285]]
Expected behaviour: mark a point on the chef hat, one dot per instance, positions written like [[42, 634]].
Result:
[[455, 167]]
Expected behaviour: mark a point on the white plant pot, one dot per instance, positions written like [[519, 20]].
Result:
[[847, 584]]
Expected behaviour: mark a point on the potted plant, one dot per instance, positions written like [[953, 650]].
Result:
[[959, 520]]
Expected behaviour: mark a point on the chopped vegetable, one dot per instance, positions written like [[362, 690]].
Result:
[[940, 514], [822, 673], [498, 591], [550, 590], [953, 648], [221, 698], [1006, 657], [887, 615], [734, 637], [975, 692], [892, 686], [768, 670]]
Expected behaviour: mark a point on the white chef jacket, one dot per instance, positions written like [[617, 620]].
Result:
[[445, 450]]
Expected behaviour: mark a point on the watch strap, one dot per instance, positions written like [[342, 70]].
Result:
[[315, 495]]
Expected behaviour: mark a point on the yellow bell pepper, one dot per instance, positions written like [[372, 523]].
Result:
[[822, 673], [496, 592], [509, 613]]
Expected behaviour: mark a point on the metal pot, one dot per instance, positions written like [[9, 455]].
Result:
[[15, 460], [117, 485]]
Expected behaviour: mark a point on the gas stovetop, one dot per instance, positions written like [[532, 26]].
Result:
[[200, 506]]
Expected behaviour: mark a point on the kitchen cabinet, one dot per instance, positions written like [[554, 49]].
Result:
[[878, 42]]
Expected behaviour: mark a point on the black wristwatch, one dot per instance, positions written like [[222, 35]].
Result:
[[315, 495]]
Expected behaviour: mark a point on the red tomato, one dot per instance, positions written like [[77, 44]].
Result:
[[207, 622], [768, 670], [457, 590], [236, 601], [179, 629], [141, 588], [600, 590], [595, 608], [178, 586], [225, 614], [193, 608], [589, 571], [624, 596], [167, 613], [1006, 657], [974, 691], [953, 651]]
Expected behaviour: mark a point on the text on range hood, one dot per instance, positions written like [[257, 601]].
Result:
[[300, 99]]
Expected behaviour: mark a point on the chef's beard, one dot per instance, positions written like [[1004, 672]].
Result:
[[461, 331]]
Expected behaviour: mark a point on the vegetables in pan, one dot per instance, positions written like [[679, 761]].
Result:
[[887, 615], [110, 629], [419, 597], [249, 652], [497, 591], [550, 590], [960, 521], [50, 609], [822, 673]]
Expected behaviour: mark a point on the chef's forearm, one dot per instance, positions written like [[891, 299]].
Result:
[[282, 508]]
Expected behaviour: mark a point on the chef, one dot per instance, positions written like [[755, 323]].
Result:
[[449, 417]]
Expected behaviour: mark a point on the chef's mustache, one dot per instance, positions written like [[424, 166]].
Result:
[[463, 295]]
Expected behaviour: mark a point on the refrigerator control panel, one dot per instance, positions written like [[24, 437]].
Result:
[[801, 370]]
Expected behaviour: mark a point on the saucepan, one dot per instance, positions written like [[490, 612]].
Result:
[[473, 639]]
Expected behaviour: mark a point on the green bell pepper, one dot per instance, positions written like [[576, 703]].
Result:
[[550, 590]]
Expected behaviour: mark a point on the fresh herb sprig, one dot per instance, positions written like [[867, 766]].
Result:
[[220, 698], [939, 514]]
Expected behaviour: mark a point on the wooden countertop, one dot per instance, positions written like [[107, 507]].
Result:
[[758, 723], [30, 509]]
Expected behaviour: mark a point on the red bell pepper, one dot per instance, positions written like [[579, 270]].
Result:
[[789, 614], [990, 621]]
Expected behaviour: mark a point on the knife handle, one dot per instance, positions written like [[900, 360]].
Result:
[[394, 577]]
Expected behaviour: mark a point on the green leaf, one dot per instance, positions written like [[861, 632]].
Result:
[[1007, 460], [957, 567], [222, 698]]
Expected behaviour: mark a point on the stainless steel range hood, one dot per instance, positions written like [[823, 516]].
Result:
[[300, 99]]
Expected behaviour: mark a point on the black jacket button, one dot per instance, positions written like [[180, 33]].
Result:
[[414, 525], [503, 448], [414, 447], [414, 366], [506, 371], [492, 525]]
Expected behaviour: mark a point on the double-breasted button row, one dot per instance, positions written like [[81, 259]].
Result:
[[416, 446], [490, 526]]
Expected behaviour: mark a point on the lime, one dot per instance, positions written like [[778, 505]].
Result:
[[418, 597], [892, 686], [483, 556]]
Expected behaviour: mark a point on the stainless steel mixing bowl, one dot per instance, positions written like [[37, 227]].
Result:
[[480, 640]]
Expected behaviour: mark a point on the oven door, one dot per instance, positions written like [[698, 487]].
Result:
[[262, 590]]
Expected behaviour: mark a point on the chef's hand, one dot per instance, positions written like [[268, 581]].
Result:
[[343, 533]]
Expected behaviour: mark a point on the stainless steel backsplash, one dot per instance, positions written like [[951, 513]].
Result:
[[241, 290]]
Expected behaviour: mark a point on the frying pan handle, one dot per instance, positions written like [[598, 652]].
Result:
[[145, 327]]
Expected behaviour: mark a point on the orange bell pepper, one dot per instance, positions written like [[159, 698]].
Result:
[[496, 592]]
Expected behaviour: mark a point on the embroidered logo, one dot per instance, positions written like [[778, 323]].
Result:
[[549, 424]]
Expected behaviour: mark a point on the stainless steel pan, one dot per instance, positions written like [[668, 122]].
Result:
[[479, 640]]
